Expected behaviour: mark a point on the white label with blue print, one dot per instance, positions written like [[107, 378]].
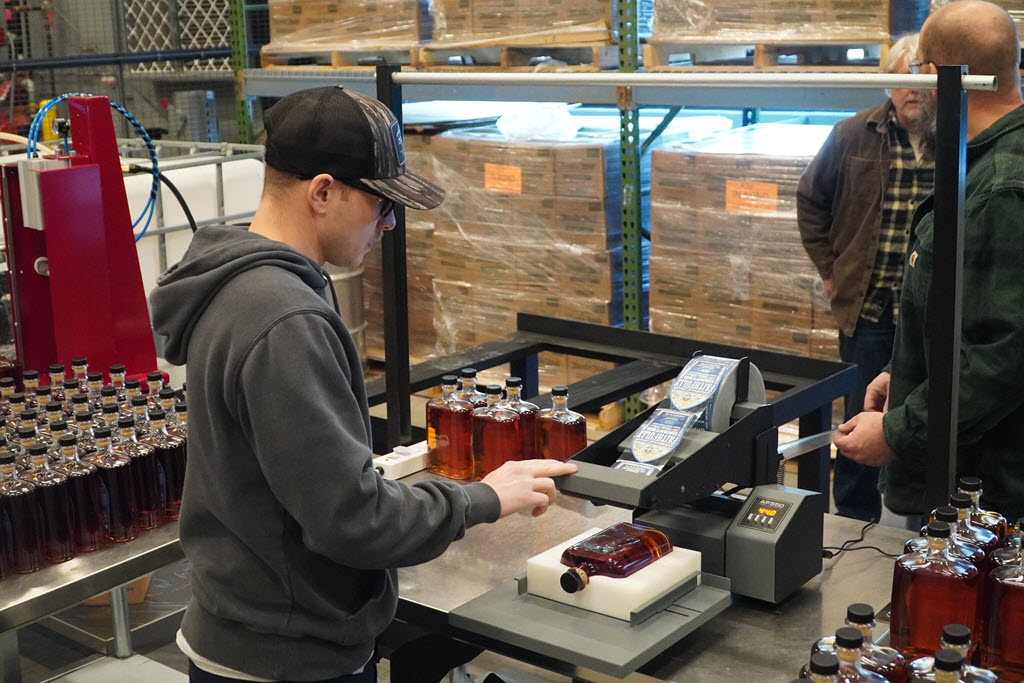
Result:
[[696, 387], [655, 441]]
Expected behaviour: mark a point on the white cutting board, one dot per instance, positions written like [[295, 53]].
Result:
[[604, 594]]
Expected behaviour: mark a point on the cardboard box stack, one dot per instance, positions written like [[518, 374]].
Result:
[[564, 22], [757, 21], [311, 24], [727, 264]]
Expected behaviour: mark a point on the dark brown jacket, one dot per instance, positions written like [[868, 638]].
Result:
[[839, 208]]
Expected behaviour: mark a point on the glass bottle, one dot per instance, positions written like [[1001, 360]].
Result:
[[13, 419], [144, 467], [449, 429], [54, 413], [44, 403], [83, 425], [117, 381], [495, 438], [965, 529], [56, 373], [108, 397], [109, 415], [850, 650], [986, 519], [55, 503], [929, 590], [30, 378], [1002, 648], [949, 666], [167, 398], [618, 551], [80, 371], [170, 454], [140, 414], [561, 433], [1009, 554], [180, 426], [80, 404], [884, 661], [132, 388], [7, 389], [29, 421], [527, 416], [70, 386], [94, 385], [120, 510], [84, 487], [154, 382], [26, 440], [58, 428], [957, 546], [823, 668], [954, 637], [22, 522], [469, 392]]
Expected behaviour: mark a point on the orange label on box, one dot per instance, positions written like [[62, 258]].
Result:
[[499, 178], [749, 196]]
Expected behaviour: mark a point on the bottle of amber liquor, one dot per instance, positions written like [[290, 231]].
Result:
[[496, 437], [170, 455], [986, 519], [120, 514], [618, 551], [85, 489], [527, 416], [144, 467], [23, 523], [561, 433], [449, 430], [55, 504], [469, 392]]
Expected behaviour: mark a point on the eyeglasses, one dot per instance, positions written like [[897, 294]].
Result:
[[387, 206], [915, 65]]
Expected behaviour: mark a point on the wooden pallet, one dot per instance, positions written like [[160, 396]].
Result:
[[717, 56], [519, 57], [271, 56]]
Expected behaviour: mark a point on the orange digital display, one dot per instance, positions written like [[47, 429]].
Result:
[[767, 511]]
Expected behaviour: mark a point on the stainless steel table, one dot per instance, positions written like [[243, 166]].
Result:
[[751, 640], [25, 598]]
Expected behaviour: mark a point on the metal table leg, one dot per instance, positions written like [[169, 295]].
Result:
[[10, 660], [122, 644]]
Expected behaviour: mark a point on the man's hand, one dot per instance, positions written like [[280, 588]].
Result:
[[527, 484], [876, 395], [861, 440], [828, 286]]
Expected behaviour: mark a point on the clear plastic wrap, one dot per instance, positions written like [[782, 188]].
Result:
[[727, 264], [756, 21], [523, 22], [348, 24]]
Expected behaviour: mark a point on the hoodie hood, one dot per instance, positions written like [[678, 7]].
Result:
[[217, 254]]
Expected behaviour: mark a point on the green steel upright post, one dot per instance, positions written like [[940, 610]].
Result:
[[239, 61], [629, 144]]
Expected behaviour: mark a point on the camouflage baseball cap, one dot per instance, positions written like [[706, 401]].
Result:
[[352, 137]]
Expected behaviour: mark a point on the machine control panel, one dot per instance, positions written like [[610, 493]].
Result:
[[764, 514]]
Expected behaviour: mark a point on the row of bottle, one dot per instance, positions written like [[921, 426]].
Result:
[[84, 488], [948, 667], [471, 433], [967, 568]]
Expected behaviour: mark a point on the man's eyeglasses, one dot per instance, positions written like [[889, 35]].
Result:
[[387, 206], [915, 66]]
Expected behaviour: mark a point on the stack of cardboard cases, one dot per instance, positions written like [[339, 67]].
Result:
[[381, 23], [475, 20], [727, 264]]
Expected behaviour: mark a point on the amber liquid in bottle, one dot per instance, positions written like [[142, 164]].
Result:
[[22, 524], [1003, 645], [147, 484], [527, 417], [884, 661], [561, 433], [468, 391], [55, 503], [496, 438], [84, 486], [117, 479], [930, 590], [170, 455], [449, 432], [986, 519], [618, 551]]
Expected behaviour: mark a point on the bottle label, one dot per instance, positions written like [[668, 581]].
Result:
[[694, 389], [656, 440]]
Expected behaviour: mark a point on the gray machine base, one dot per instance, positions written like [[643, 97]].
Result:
[[611, 646]]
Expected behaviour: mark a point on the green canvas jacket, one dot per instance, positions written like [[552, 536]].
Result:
[[991, 411]]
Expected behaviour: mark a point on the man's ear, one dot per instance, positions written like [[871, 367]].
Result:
[[318, 191]]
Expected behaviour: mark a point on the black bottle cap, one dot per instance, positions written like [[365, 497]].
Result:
[[26, 432], [102, 432], [157, 414], [58, 425], [116, 369], [166, 392], [513, 382], [17, 397], [572, 581], [78, 399], [37, 449], [860, 613], [139, 401], [467, 372], [68, 440], [6, 382], [132, 383], [84, 417], [155, 376], [3, 440], [181, 407], [961, 500], [70, 383], [824, 663], [6, 458], [946, 513], [849, 637], [107, 410], [30, 374], [956, 634], [559, 391], [125, 422], [28, 414], [449, 379], [108, 391], [81, 360], [969, 484], [494, 389], [938, 530], [43, 390], [948, 660], [56, 367], [94, 376]]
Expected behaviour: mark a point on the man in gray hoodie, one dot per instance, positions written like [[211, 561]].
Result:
[[292, 537]]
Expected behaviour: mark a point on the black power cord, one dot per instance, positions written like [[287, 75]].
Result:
[[136, 168], [829, 552]]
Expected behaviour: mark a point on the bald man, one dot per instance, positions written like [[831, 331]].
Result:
[[893, 429]]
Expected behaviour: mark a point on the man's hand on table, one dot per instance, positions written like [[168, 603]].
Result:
[[527, 484], [861, 439]]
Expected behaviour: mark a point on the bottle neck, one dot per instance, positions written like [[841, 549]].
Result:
[[848, 656], [54, 413], [183, 419], [69, 453], [127, 434], [469, 385], [134, 391], [947, 676], [154, 388], [8, 471], [965, 650], [513, 394], [39, 462], [447, 391], [866, 629], [31, 385], [937, 544], [95, 387], [117, 380], [103, 445], [493, 399], [558, 403], [157, 425], [56, 380]]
